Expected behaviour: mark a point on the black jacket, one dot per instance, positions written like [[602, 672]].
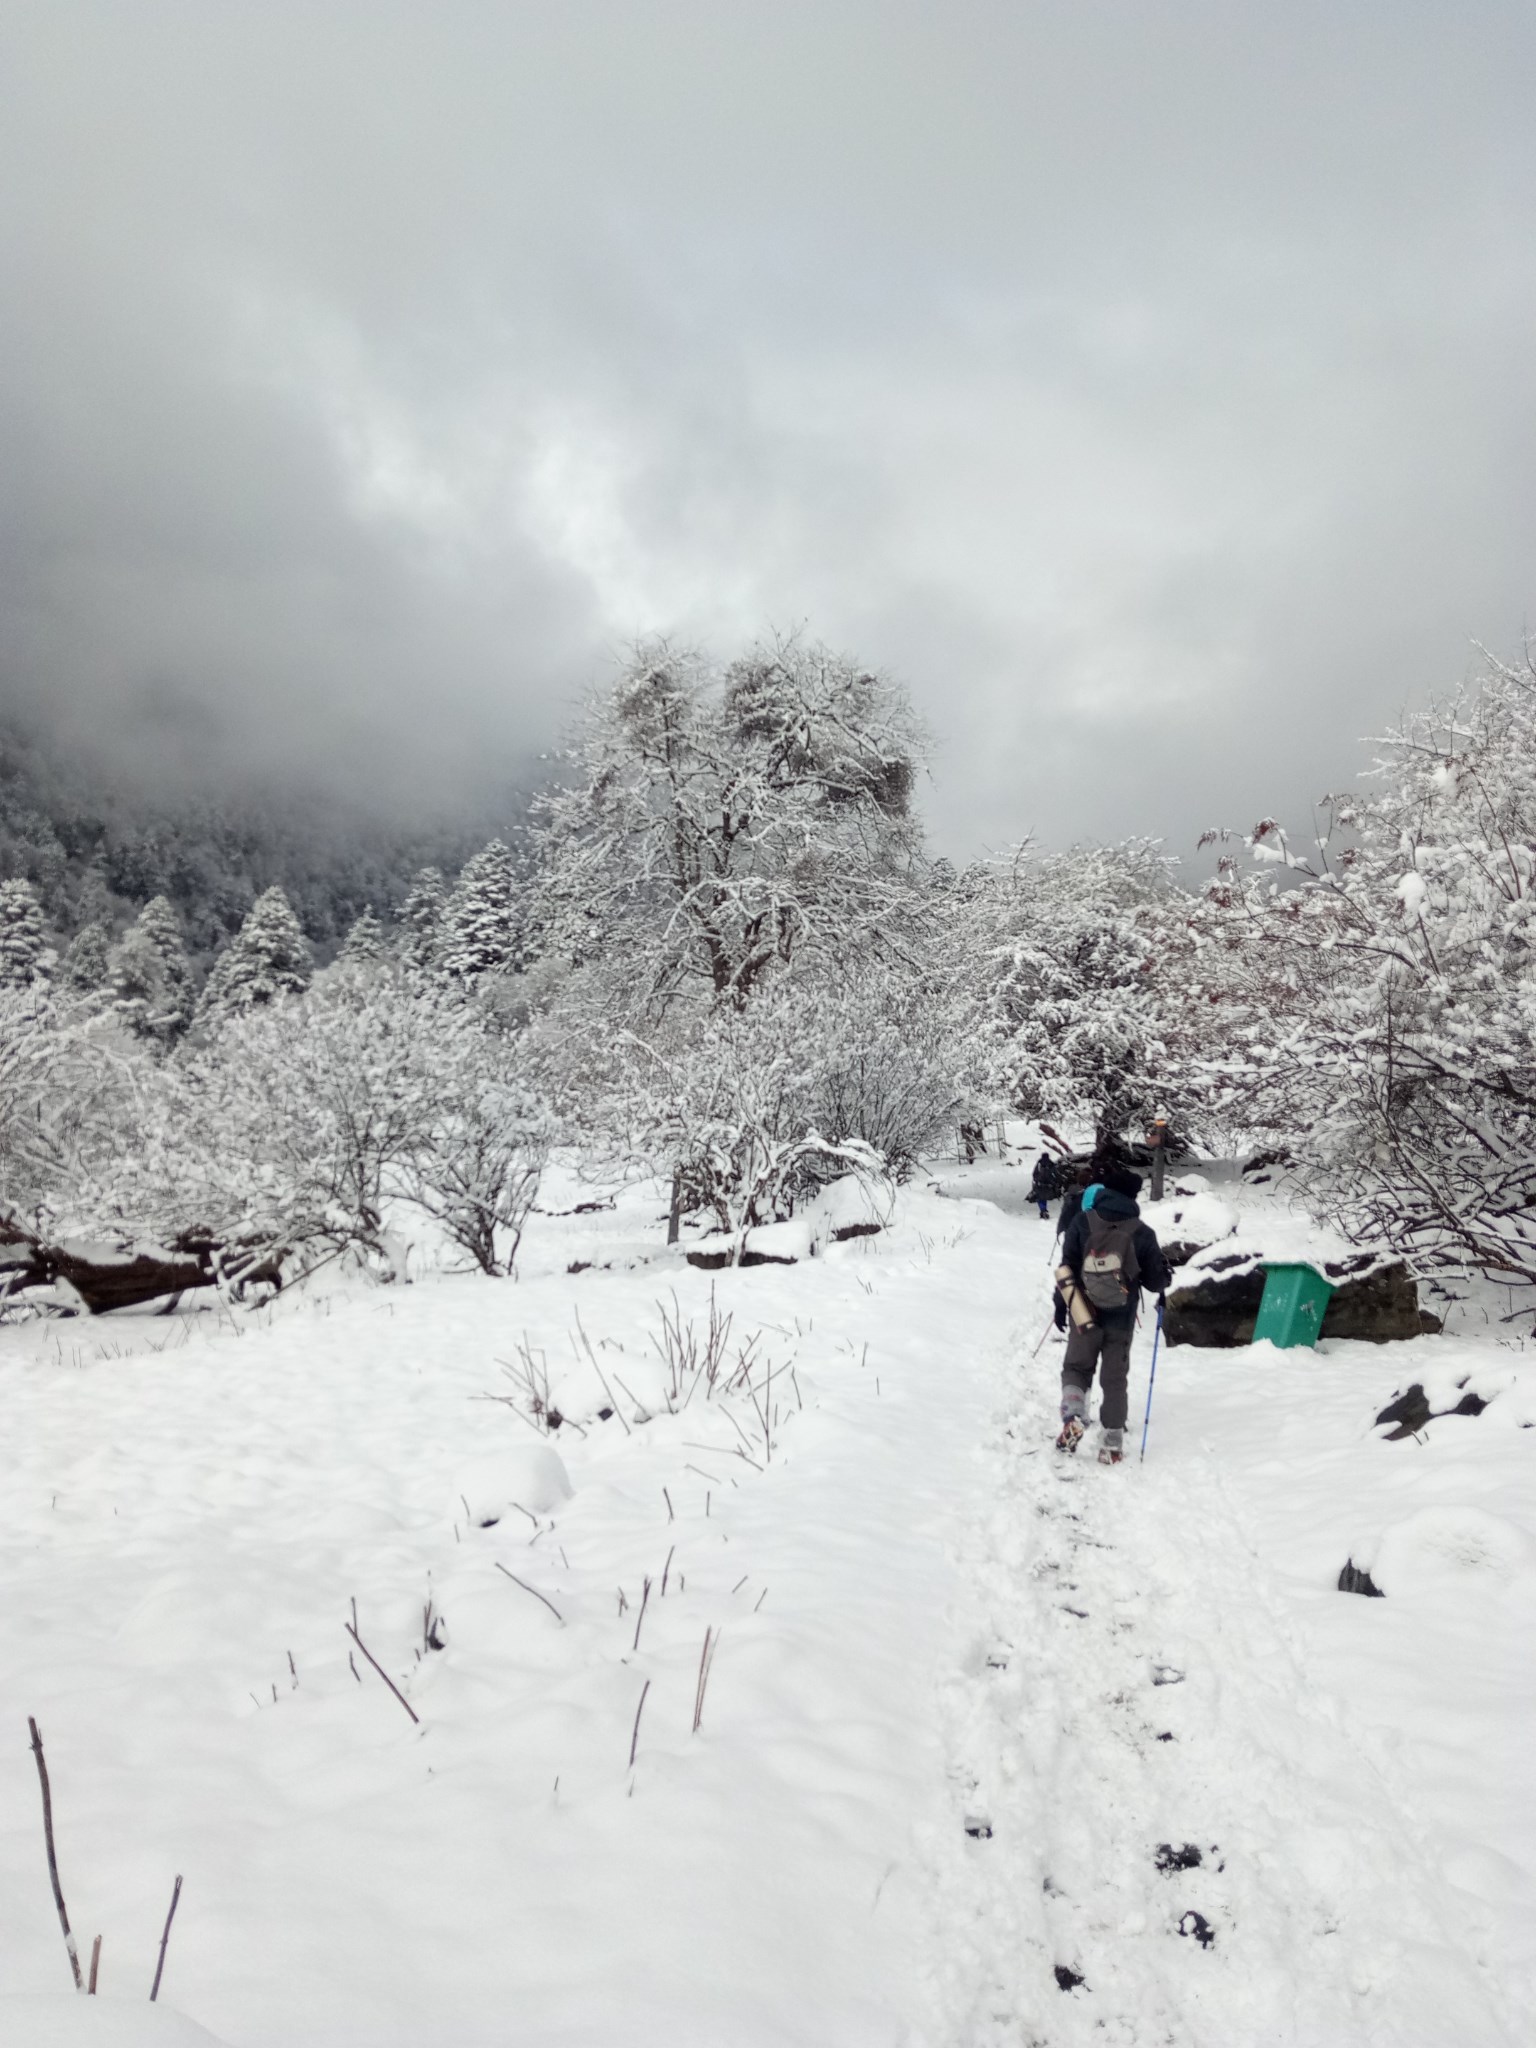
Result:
[[1046, 1184], [1155, 1272]]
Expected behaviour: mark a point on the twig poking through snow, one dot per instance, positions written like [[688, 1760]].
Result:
[[95, 1966], [666, 1568], [154, 1989], [399, 1695], [554, 1610], [612, 1403], [634, 1740], [645, 1601], [706, 1664], [53, 1861], [668, 1499]]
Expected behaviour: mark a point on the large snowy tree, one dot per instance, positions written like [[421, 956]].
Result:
[[718, 824]]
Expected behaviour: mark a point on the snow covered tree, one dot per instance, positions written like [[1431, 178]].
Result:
[[291, 1132], [65, 1099], [151, 976], [25, 956], [729, 1104], [718, 825], [364, 944], [1392, 994], [268, 957], [1080, 955], [477, 1171], [481, 928], [86, 961], [420, 919]]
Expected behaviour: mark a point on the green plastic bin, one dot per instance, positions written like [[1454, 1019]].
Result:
[[1294, 1303]]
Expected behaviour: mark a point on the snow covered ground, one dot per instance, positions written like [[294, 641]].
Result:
[[964, 1697]]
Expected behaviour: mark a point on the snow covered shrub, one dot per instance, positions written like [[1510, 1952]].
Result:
[[1392, 1001], [886, 1055], [277, 1132], [1077, 958], [477, 1169], [729, 1102], [64, 1094], [284, 1133]]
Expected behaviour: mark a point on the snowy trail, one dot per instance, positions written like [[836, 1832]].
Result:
[[1189, 1845], [925, 1619]]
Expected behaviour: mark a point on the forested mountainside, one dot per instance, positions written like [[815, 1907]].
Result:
[[98, 852]]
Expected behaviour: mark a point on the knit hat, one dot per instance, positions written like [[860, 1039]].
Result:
[[1123, 1182]]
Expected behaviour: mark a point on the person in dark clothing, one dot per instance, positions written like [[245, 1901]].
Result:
[[1046, 1184], [1108, 1255]]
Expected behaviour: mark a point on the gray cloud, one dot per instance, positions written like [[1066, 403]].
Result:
[[1150, 388]]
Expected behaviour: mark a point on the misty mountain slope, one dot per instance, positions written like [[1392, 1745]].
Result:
[[98, 847], [819, 1702]]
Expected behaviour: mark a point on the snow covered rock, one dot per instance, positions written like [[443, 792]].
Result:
[[1448, 1551], [529, 1476], [1187, 1222], [71, 2021], [846, 1208], [1215, 1302]]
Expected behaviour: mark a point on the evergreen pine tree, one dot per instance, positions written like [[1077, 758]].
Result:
[[86, 962], [482, 924], [151, 977], [364, 943], [420, 918], [25, 956], [269, 956]]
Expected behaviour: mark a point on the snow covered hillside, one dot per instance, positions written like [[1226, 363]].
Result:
[[791, 1690]]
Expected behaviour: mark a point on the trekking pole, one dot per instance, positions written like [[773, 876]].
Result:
[[1044, 1334], [1151, 1383]]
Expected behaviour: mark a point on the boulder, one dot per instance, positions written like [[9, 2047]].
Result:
[[1215, 1301]]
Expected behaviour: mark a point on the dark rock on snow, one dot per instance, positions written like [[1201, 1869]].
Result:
[[1410, 1410], [1353, 1580]]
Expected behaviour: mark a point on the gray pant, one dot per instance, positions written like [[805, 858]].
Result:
[[1109, 1348]]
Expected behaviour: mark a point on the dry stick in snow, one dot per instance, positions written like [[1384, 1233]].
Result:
[[634, 1740], [554, 1610], [666, 1568], [668, 1499], [95, 1965], [399, 1695], [154, 1989], [645, 1601], [706, 1662], [53, 1861], [612, 1403]]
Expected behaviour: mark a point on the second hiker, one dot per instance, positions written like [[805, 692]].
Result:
[[1108, 1256]]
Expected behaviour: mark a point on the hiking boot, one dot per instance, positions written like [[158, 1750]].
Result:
[[1073, 1431], [1112, 1447]]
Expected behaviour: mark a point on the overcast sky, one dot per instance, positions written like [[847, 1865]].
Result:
[[1151, 387]]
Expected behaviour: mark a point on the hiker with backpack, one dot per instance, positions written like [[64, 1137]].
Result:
[[1046, 1184], [1108, 1255]]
